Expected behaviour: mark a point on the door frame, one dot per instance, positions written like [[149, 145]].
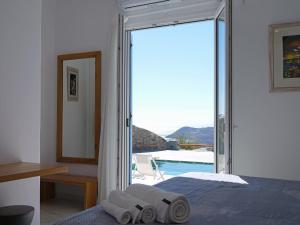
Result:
[[227, 6], [124, 106], [126, 47]]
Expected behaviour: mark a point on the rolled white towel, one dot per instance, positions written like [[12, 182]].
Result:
[[170, 207], [123, 216], [141, 211]]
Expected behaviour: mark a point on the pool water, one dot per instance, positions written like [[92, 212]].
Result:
[[176, 168]]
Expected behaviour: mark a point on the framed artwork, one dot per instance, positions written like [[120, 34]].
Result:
[[73, 83], [285, 57]]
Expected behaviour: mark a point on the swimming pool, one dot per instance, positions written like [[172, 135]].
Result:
[[175, 168]]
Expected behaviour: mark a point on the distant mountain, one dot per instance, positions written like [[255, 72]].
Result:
[[193, 135], [146, 141]]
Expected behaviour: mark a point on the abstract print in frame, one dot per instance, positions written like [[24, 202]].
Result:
[[285, 57]]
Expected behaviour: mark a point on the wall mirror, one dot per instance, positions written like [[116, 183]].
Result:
[[78, 107]]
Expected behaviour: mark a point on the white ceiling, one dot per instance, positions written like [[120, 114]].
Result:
[[149, 13]]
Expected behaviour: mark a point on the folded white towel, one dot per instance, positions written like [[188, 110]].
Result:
[[141, 211], [123, 216], [170, 207]]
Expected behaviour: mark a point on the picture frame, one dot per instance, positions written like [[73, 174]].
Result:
[[284, 47], [72, 83]]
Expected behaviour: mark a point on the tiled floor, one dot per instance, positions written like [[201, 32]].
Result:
[[58, 209]]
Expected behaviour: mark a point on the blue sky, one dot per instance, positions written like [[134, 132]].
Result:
[[173, 77]]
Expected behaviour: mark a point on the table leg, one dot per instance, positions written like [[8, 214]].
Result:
[[90, 195], [47, 190]]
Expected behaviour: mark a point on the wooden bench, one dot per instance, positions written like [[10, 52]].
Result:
[[88, 183]]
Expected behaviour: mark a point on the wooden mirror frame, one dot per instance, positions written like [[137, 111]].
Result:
[[60, 60]]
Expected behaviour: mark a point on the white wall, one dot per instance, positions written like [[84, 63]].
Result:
[[266, 139], [70, 26], [20, 96]]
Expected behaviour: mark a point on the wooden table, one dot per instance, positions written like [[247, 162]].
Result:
[[22, 170], [88, 183]]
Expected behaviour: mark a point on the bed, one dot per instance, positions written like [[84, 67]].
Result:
[[218, 199]]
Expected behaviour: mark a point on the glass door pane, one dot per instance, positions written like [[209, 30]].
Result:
[[220, 91]]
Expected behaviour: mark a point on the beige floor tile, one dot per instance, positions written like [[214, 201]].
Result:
[[58, 209]]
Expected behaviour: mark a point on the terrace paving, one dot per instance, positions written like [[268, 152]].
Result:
[[148, 180], [197, 155]]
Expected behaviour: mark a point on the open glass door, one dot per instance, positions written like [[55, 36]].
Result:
[[222, 103], [221, 127]]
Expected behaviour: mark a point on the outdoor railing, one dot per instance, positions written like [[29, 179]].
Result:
[[194, 146]]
